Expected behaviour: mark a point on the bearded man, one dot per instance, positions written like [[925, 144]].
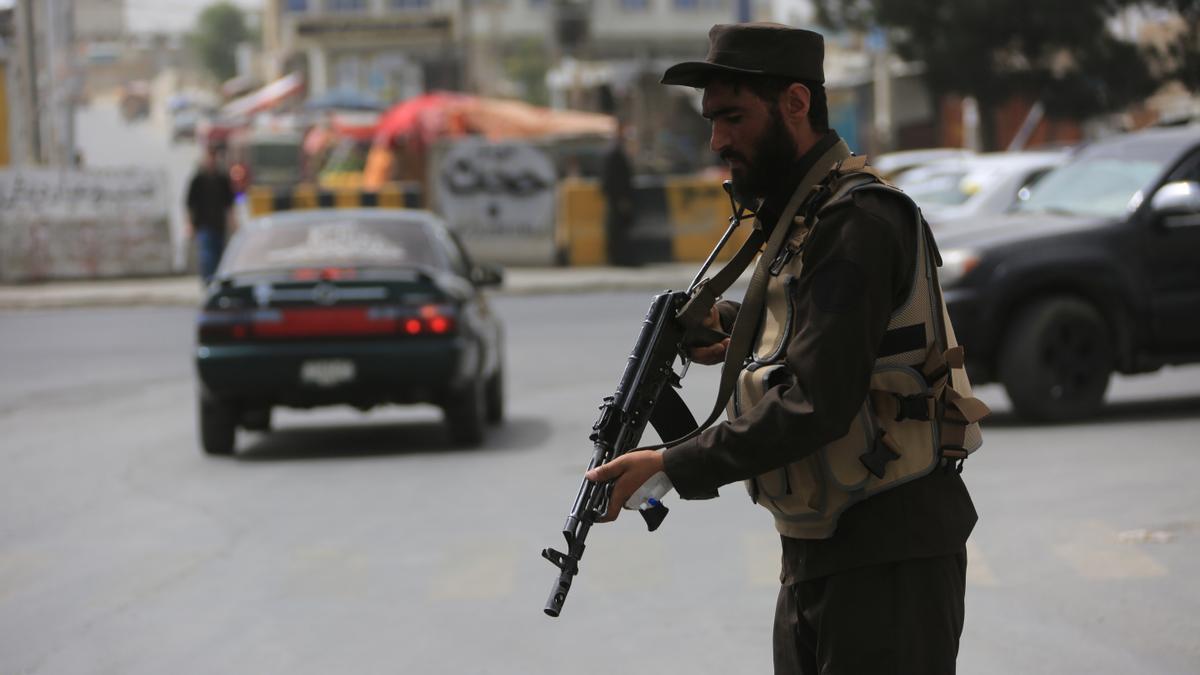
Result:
[[838, 424]]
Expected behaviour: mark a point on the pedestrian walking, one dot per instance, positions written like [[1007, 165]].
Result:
[[210, 198], [616, 182], [851, 415]]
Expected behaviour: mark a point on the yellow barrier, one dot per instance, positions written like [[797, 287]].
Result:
[[580, 227], [264, 200], [696, 212]]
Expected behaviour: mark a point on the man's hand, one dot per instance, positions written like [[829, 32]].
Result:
[[709, 355], [630, 471]]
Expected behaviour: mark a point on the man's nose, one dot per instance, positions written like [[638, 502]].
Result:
[[719, 140]]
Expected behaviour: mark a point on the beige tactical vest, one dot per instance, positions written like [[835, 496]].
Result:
[[919, 411]]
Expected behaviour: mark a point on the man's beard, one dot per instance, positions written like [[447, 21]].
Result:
[[764, 172]]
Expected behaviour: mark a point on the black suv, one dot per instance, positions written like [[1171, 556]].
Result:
[[1097, 270]]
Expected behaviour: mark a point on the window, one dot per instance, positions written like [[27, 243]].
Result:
[[635, 5], [345, 5], [289, 242], [296, 6], [411, 4]]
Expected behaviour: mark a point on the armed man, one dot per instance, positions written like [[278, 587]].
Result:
[[851, 414]]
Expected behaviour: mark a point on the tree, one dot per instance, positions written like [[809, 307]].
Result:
[[1059, 52], [219, 29], [1181, 59]]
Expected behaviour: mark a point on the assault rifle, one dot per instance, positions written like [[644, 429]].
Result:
[[646, 393]]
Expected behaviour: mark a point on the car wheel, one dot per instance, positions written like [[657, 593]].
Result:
[[218, 427], [256, 419], [495, 398], [1056, 361], [466, 414]]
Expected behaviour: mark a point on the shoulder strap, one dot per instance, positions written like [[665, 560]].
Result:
[[745, 326]]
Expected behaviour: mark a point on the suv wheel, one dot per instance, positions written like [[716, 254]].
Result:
[[218, 426], [1057, 359], [495, 398], [466, 413]]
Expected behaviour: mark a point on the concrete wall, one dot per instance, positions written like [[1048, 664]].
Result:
[[73, 224]]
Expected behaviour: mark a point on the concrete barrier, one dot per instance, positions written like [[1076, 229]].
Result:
[[264, 200], [83, 224], [679, 219]]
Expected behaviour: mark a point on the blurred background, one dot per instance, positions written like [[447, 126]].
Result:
[[1053, 145]]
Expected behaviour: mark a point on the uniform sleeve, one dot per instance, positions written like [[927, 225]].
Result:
[[858, 266]]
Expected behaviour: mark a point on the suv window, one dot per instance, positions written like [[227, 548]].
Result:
[[1188, 170], [1096, 186]]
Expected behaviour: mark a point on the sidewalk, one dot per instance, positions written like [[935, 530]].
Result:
[[185, 291]]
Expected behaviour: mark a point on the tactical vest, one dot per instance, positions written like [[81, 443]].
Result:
[[919, 412]]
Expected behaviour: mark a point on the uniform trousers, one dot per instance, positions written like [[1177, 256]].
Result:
[[896, 618]]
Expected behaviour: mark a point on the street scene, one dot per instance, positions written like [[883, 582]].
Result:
[[315, 314]]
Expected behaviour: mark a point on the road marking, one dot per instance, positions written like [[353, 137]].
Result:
[[1094, 550], [761, 550], [979, 572], [483, 571]]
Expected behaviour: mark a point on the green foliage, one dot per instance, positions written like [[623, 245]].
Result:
[[1180, 59], [1058, 51], [219, 29]]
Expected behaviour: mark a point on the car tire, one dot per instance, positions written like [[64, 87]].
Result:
[[466, 415], [218, 427], [1056, 361], [256, 419], [495, 398]]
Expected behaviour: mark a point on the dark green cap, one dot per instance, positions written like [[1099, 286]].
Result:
[[758, 48]]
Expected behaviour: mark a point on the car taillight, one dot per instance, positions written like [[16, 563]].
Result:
[[324, 322], [213, 326], [425, 320], [437, 319], [217, 326], [324, 273]]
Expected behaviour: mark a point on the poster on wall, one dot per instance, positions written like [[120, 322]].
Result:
[[496, 188]]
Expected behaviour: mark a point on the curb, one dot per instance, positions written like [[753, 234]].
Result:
[[185, 291]]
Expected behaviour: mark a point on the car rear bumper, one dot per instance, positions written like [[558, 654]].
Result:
[[412, 371]]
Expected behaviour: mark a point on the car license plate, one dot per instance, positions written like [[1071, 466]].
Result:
[[327, 372]]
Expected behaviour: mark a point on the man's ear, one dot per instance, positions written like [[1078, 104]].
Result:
[[794, 102]]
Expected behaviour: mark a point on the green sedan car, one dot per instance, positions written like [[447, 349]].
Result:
[[347, 307]]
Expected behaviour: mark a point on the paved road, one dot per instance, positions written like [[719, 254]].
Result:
[[362, 543]]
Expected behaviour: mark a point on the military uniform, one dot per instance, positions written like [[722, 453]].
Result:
[[877, 586], [859, 263]]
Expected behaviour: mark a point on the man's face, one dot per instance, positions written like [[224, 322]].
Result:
[[749, 134]]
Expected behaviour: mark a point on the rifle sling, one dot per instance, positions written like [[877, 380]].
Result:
[[745, 327]]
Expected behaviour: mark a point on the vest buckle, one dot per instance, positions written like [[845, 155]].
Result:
[[879, 455], [781, 261], [912, 407]]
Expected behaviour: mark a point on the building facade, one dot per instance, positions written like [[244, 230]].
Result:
[[396, 48]]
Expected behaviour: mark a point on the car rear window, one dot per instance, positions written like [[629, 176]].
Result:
[[332, 243]]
